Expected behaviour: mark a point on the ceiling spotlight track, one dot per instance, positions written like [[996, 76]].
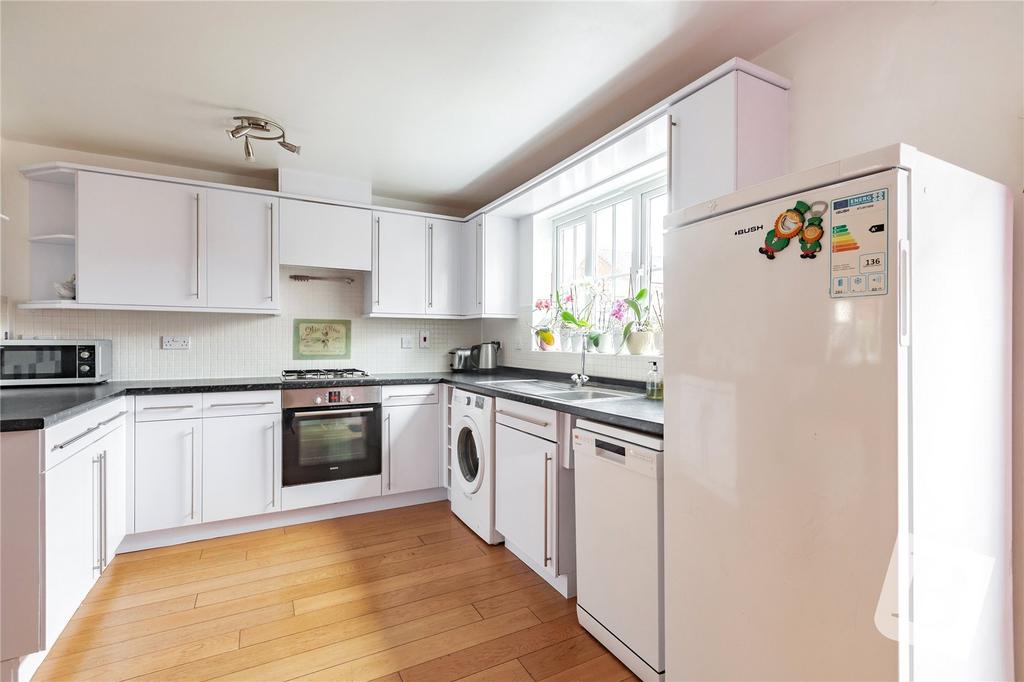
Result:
[[255, 128]]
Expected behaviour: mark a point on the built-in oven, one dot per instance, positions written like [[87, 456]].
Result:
[[330, 434], [49, 362]]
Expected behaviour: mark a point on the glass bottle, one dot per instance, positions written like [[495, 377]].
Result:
[[655, 383]]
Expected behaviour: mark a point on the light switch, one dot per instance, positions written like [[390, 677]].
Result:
[[406, 342]]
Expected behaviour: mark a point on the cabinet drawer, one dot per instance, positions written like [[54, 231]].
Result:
[[149, 408], [65, 439], [233, 404], [539, 421], [420, 394]]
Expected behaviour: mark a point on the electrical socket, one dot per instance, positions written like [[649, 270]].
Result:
[[424, 339], [175, 342], [406, 342]]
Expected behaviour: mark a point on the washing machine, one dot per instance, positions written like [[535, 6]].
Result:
[[472, 447]]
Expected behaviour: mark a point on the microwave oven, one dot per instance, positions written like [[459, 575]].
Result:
[[52, 362]]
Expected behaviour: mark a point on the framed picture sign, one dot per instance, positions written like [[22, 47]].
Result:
[[322, 340]]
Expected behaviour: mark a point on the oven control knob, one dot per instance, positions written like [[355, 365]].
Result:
[[351, 398], [85, 355], [317, 400], [84, 368]]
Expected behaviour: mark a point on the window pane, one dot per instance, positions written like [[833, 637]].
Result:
[[565, 255], [604, 263], [620, 287], [624, 238], [581, 252], [657, 209]]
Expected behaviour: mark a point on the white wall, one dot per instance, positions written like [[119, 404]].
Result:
[[945, 77], [223, 345]]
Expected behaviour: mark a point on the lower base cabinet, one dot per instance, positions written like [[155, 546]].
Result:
[[241, 466], [168, 474], [411, 441], [523, 475]]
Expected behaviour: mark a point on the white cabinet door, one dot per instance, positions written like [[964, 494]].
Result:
[[72, 535], [399, 264], [412, 448], [499, 263], [113, 449], [472, 285], [168, 473], [242, 250], [444, 264], [241, 474], [139, 242], [523, 479], [325, 236]]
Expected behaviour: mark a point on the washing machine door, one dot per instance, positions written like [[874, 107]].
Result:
[[469, 456]]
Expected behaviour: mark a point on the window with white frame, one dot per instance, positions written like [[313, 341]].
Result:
[[616, 238]]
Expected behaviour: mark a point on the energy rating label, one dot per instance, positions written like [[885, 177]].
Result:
[[859, 253]]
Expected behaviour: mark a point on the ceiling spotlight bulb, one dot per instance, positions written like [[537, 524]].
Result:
[[238, 131], [250, 155], [293, 148]]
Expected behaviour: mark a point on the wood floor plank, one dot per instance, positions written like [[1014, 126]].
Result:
[[316, 656], [530, 596], [407, 655], [604, 668], [458, 591], [151, 662], [473, 659], [395, 582], [399, 596], [562, 656], [512, 671]]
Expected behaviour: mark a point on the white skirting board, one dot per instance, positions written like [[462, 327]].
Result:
[[565, 584], [618, 649], [205, 531]]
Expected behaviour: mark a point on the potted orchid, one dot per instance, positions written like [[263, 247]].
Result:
[[637, 334], [574, 310], [542, 330], [658, 321]]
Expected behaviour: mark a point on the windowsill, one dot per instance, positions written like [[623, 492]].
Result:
[[576, 353]]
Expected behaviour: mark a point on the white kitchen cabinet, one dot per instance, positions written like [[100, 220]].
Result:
[[139, 242], [325, 236], [731, 133], [411, 438], [241, 466], [241, 267], [113, 452], [398, 282], [444, 267], [523, 475], [490, 250], [168, 473], [71, 530]]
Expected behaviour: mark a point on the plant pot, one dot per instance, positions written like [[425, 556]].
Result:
[[565, 337], [658, 344], [606, 343], [545, 343], [639, 343]]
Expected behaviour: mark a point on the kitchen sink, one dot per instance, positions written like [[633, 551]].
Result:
[[582, 394], [558, 391]]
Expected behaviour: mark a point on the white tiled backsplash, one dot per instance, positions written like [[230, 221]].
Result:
[[230, 345], [517, 333]]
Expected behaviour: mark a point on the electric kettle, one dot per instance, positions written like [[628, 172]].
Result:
[[484, 357]]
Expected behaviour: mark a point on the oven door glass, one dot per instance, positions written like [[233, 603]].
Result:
[[329, 444], [38, 362]]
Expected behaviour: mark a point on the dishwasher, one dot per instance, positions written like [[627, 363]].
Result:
[[620, 585]]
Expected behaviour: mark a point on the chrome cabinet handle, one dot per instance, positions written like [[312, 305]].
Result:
[[97, 511], [528, 420], [198, 212], [116, 416], [270, 268], [670, 125], [411, 395], [251, 404], [389, 451], [192, 476], [547, 460], [273, 487], [376, 270], [480, 262], [169, 407], [103, 511], [430, 265], [77, 438]]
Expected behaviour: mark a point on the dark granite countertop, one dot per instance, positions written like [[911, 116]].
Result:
[[32, 408]]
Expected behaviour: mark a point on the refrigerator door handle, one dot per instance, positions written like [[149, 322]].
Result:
[[904, 292]]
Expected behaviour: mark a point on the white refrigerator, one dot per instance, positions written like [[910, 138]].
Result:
[[837, 427]]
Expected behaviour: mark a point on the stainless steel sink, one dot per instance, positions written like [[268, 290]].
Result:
[[581, 394], [558, 391]]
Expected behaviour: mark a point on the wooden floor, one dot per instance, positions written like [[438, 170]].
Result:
[[399, 595]]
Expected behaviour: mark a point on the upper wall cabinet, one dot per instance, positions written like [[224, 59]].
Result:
[[139, 242], [731, 133], [444, 267], [398, 282], [242, 254], [490, 257], [325, 235]]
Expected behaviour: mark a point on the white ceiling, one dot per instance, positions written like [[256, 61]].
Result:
[[446, 103]]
